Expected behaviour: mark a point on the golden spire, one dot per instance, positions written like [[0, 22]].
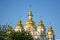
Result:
[[30, 20], [50, 31], [19, 25], [30, 12], [41, 25]]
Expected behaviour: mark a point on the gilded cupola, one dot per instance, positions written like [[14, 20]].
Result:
[[30, 20], [41, 25], [50, 31], [9, 31], [19, 25]]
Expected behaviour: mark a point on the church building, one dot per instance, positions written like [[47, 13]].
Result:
[[38, 32]]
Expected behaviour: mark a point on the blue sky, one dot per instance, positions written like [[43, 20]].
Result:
[[13, 10]]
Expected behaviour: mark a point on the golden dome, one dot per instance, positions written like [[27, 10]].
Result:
[[50, 31], [19, 25], [30, 21], [9, 29], [9, 32], [41, 25]]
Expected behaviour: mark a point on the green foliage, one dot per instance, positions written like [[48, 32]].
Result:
[[14, 35], [3, 30], [21, 36]]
